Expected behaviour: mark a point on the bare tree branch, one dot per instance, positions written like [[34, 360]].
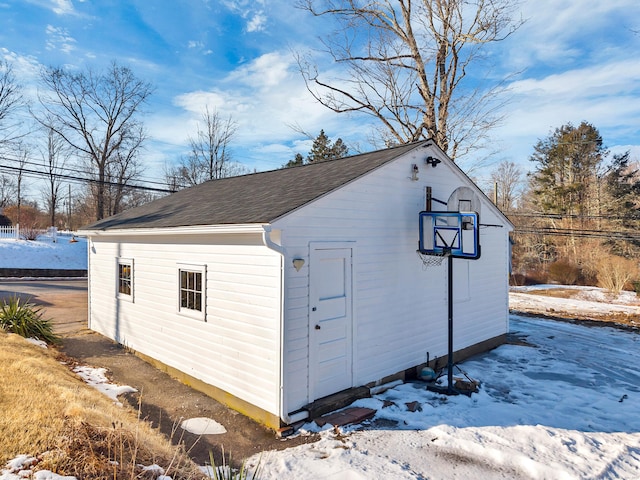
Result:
[[209, 157], [406, 62], [96, 115], [11, 101]]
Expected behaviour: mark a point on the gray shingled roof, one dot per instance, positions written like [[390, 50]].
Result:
[[256, 198]]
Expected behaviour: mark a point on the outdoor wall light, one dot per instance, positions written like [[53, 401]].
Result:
[[298, 263], [432, 161], [414, 172]]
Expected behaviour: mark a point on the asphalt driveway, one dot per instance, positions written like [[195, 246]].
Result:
[[65, 300], [164, 401]]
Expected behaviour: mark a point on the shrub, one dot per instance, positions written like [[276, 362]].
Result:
[[29, 233], [564, 272], [613, 272], [25, 319], [225, 472]]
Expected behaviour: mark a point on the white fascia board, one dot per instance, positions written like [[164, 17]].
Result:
[[186, 230]]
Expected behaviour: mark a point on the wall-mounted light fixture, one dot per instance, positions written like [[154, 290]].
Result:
[[432, 161], [298, 263], [414, 172]]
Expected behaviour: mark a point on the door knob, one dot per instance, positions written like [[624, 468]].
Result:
[[313, 309], [317, 327]]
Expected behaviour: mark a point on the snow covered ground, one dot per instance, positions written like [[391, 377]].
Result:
[[564, 404], [582, 302], [561, 402], [43, 253]]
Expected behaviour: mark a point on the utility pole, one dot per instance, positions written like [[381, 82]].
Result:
[[69, 209]]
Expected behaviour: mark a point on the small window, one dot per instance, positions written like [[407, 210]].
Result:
[[191, 290], [125, 279]]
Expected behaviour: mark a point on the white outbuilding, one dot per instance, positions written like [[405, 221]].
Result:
[[275, 290]]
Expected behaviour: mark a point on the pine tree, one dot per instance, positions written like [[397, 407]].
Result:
[[622, 185], [567, 169], [339, 149], [321, 150], [297, 161]]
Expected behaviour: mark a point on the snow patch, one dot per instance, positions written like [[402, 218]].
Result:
[[203, 426], [21, 466], [96, 377], [37, 342]]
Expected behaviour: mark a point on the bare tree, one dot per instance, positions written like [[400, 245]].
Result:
[[209, 148], [54, 158], [507, 182], [11, 101], [96, 114], [22, 158], [406, 62], [209, 157], [7, 190], [121, 173]]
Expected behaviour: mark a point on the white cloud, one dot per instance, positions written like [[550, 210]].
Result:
[[251, 10], [265, 72], [59, 39], [257, 23], [266, 97], [577, 64], [604, 95], [63, 7], [26, 68], [560, 31]]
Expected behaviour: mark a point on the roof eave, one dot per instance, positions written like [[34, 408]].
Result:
[[182, 230]]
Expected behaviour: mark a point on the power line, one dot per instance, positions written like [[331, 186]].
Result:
[[560, 216], [71, 169], [566, 232], [73, 178]]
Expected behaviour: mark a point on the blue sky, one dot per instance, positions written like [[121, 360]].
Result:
[[578, 60]]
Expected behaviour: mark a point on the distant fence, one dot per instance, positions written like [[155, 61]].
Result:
[[15, 232], [10, 232]]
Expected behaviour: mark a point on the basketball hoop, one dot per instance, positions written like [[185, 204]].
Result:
[[431, 259]]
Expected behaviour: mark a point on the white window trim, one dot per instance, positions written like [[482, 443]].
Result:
[[186, 312], [130, 263]]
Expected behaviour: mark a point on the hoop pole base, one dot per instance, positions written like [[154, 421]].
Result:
[[450, 322]]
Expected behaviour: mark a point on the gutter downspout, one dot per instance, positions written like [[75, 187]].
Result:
[[89, 252], [283, 410]]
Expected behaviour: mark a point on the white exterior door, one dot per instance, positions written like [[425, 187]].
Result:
[[330, 344]]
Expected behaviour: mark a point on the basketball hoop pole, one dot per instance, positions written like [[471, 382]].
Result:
[[450, 389], [455, 235]]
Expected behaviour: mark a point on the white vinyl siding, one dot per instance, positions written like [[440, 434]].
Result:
[[237, 348], [400, 308]]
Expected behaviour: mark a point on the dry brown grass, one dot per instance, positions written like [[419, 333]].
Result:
[[47, 411]]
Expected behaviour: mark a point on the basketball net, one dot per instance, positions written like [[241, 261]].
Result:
[[431, 259]]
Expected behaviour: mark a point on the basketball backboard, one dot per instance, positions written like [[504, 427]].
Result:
[[452, 233]]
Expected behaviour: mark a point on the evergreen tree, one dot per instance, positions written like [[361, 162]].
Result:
[[567, 170], [339, 149], [321, 150], [622, 185], [297, 161]]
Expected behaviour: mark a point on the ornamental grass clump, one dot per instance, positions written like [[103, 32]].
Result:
[[25, 319], [225, 472]]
